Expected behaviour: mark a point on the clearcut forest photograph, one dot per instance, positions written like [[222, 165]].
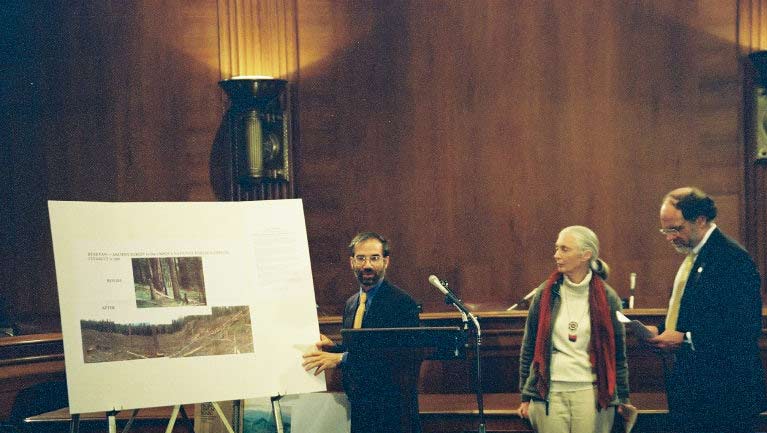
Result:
[[226, 331]]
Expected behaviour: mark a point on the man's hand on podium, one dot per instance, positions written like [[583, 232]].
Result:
[[319, 360]]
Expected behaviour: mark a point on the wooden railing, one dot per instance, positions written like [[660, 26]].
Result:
[[25, 361], [447, 386], [502, 333]]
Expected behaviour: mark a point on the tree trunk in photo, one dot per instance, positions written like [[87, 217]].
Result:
[[174, 282], [155, 342], [146, 273], [190, 269], [164, 265], [156, 282], [201, 296]]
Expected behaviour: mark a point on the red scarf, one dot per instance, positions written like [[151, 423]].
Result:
[[601, 345]]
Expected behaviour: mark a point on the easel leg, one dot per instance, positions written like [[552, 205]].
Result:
[[189, 422], [172, 420], [277, 412], [130, 421], [236, 408], [112, 421], [222, 416], [74, 423]]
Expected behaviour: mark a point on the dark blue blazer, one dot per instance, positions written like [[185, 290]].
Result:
[[367, 376], [391, 307], [722, 380], [380, 401]]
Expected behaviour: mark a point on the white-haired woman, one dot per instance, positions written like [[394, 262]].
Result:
[[573, 370]]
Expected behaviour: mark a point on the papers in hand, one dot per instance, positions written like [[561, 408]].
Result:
[[629, 415], [637, 327]]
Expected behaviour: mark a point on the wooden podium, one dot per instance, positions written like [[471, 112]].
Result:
[[402, 350]]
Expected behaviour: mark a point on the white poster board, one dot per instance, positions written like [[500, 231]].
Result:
[[176, 303]]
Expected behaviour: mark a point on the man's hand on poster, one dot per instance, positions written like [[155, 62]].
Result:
[[319, 360]]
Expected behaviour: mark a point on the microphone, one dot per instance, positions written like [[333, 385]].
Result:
[[524, 300], [450, 296], [632, 287]]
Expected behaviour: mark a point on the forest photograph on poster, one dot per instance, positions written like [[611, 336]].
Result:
[[168, 281], [226, 331], [164, 283]]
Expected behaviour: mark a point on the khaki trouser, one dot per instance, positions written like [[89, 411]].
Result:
[[571, 412]]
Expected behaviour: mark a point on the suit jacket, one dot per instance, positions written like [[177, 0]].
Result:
[[722, 380], [382, 387], [368, 376]]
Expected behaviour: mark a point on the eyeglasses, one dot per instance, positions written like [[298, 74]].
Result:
[[671, 230], [374, 259]]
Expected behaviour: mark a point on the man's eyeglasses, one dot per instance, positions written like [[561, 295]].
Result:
[[374, 259], [671, 230]]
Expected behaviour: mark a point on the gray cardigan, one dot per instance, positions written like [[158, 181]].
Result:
[[527, 381]]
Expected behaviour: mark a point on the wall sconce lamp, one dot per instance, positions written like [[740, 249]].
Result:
[[259, 127]]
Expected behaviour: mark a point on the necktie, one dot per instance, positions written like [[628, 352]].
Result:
[[360, 311], [676, 294]]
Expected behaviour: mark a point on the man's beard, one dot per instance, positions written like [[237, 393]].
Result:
[[683, 249], [371, 279], [689, 245]]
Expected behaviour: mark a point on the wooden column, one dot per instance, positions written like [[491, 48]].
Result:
[[752, 36]]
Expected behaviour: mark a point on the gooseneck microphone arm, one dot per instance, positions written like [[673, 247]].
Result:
[[451, 298], [524, 300]]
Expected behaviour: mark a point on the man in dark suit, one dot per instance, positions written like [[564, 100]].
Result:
[[714, 321], [371, 382]]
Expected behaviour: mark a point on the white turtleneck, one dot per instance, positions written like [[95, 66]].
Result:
[[570, 363]]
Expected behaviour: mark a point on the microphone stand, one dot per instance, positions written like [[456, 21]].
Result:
[[464, 317], [480, 399], [513, 307], [524, 302]]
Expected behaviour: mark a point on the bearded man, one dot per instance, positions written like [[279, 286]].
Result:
[[715, 381], [377, 401]]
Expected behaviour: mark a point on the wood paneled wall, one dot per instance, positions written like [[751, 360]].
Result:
[[112, 101], [469, 133]]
